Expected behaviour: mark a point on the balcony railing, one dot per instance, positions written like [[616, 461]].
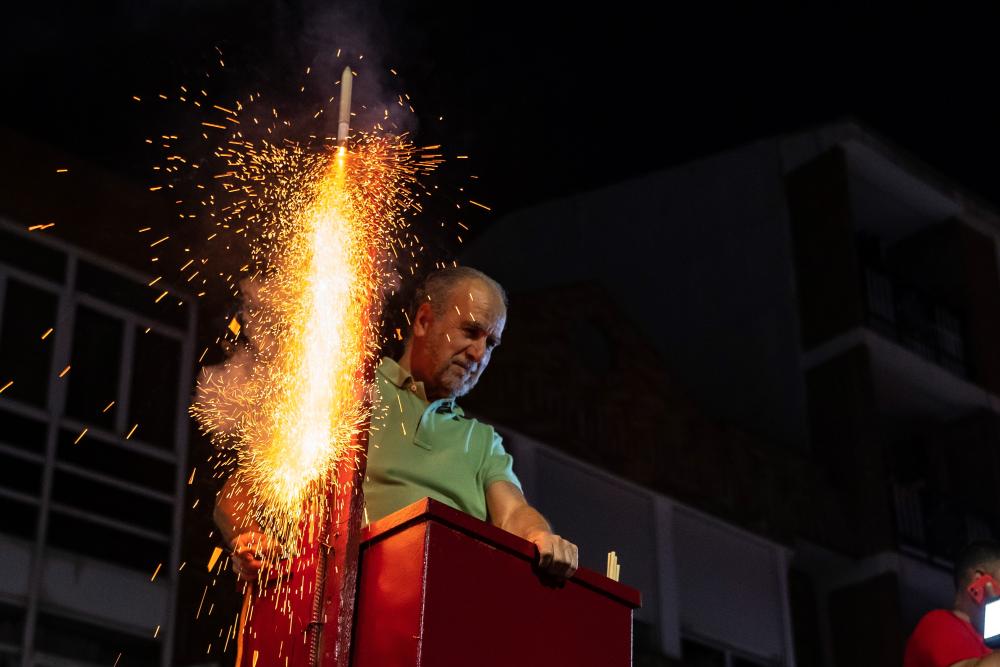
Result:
[[916, 321], [934, 524], [939, 502]]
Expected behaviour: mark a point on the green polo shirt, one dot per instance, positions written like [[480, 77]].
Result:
[[421, 449]]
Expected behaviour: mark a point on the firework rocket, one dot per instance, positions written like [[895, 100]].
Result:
[[344, 119]]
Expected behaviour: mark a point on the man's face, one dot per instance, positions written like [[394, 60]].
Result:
[[451, 349]]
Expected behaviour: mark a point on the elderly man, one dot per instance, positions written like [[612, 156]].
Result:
[[954, 637], [421, 444]]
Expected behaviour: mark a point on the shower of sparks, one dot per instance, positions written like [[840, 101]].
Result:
[[323, 228], [321, 237]]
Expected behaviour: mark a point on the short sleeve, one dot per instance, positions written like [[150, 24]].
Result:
[[498, 465], [941, 639]]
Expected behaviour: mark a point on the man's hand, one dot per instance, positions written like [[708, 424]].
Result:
[[252, 550], [509, 510], [556, 556]]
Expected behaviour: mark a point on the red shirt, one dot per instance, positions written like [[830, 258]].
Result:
[[941, 639]]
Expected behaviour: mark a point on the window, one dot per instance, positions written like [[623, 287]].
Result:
[[116, 460], [11, 624], [697, 654], [92, 496], [59, 636], [96, 361], [743, 662], [22, 432], [28, 312], [19, 474], [136, 297], [32, 257], [19, 518], [102, 542], [700, 654], [155, 379]]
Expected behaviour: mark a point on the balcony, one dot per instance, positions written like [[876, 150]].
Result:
[[936, 508], [915, 321], [934, 525], [918, 350]]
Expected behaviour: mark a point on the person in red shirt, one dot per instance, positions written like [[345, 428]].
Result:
[[954, 638]]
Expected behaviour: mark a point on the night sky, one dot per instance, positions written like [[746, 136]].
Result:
[[545, 100]]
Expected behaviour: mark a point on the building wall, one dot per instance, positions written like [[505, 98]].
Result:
[[93, 438], [826, 264], [708, 587], [699, 259], [746, 300]]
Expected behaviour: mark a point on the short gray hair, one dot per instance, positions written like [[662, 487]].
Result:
[[437, 285]]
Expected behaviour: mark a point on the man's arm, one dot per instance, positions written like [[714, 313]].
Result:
[[240, 530], [510, 511], [232, 511]]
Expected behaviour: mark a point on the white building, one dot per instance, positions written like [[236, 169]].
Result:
[[93, 438]]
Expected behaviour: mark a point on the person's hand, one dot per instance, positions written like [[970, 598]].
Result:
[[556, 556], [252, 550]]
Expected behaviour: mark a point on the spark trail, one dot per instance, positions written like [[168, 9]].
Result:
[[288, 405]]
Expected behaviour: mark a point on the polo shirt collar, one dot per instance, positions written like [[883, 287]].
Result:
[[403, 379]]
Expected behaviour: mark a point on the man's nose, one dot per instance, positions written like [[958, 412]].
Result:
[[476, 350]]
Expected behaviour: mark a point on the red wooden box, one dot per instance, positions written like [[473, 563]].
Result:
[[439, 588]]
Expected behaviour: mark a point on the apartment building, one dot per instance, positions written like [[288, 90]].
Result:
[[797, 337]]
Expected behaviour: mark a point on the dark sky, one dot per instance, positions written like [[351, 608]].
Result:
[[546, 99]]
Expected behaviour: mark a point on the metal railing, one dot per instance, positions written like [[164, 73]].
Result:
[[935, 524], [916, 321]]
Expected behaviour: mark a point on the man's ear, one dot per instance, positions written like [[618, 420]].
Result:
[[422, 320]]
